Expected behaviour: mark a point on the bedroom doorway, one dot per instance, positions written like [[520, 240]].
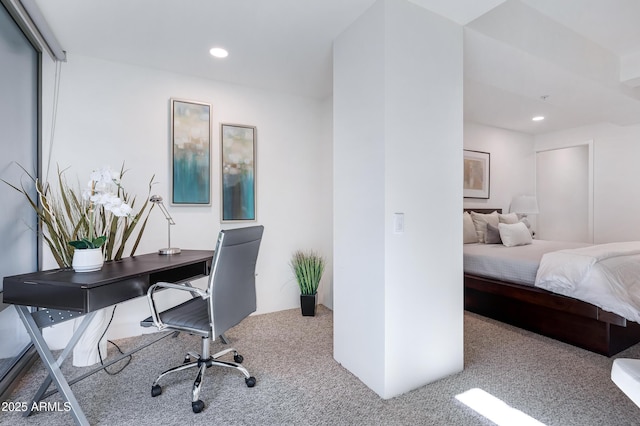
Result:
[[564, 188]]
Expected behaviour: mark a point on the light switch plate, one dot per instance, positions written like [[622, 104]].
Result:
[[398, 223]]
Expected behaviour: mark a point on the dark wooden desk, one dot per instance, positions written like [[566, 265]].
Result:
[[67, 295], [116, 282]]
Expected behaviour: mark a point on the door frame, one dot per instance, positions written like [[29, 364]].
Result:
[[590, 146]]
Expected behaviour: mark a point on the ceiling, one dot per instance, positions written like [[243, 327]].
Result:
[[561, 59]]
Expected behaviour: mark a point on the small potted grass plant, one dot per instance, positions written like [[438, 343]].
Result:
[[308, 268]]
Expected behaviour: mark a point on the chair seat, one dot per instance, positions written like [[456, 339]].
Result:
[[192, 316]]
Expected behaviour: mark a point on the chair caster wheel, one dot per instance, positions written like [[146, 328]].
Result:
[[251, 382], [238, 358], [156, 390], [197, 406], [187, 360]]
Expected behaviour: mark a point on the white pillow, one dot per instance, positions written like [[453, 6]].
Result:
[[469, 231], [508, 218], [480, 221], [514, 234]]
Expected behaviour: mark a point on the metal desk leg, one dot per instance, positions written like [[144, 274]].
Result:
[[72, 344], [51, 364]]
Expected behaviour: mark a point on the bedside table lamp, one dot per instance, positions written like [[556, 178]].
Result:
[[523, 205], [156, 199]]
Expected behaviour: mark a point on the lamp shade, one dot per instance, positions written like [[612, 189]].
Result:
[[524, 204]]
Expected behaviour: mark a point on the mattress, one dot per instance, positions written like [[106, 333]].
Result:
[[513, 264]]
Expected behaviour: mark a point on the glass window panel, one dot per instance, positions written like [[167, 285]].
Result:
[[19, 70]]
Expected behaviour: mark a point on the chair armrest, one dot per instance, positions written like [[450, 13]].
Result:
[[183, 287], [155, 316]]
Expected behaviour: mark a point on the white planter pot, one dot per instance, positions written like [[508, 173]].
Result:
[[92, 346], [87, 260]]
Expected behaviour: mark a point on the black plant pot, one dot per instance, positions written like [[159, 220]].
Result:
[[308, 304]]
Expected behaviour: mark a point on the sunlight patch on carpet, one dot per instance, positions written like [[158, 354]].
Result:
[[495, 409]]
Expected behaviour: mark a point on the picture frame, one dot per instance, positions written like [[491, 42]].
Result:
[[190, 152], [477, 174], [238, 173]]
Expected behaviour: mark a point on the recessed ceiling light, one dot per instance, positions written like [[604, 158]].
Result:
[[219, 52], [538, 118]]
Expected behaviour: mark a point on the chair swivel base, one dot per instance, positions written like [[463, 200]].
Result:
[[197, 405]]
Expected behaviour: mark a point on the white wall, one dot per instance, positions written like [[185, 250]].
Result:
[[513, 164], [110, 113], [359, 196], [397, 148], [616, 193], [325, 199]]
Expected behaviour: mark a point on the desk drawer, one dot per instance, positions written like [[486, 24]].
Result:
[[78, 298]]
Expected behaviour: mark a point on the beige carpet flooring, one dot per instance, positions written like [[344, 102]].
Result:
[[299, 382]]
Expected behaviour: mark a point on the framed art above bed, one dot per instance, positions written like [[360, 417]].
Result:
[[477, 168]]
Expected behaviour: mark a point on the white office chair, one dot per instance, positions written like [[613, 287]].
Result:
[[229, 298]]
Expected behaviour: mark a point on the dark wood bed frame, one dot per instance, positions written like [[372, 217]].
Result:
[[560, 317]]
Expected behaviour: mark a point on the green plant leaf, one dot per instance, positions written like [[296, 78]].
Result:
[[65, 224], [307, 268]]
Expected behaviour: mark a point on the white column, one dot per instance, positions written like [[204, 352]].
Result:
[[398, 296]]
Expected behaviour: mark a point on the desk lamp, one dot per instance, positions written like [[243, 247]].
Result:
[[156, 199]]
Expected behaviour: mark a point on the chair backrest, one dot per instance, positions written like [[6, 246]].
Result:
[[232, 284]]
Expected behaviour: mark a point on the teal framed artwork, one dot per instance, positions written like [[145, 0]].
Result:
[[190, 153], [238, 181]]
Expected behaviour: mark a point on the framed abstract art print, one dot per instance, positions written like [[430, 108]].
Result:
[[238, 156], [190, 152], [476, 174]]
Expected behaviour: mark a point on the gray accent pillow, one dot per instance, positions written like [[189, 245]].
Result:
[[492, 235]]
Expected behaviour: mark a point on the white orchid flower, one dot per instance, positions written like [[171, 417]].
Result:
[[104, 175], [122, 210]]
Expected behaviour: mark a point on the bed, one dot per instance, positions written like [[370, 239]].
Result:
[[507, 298]]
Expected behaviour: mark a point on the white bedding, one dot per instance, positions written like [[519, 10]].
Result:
[[605, 275], [513, 264]]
